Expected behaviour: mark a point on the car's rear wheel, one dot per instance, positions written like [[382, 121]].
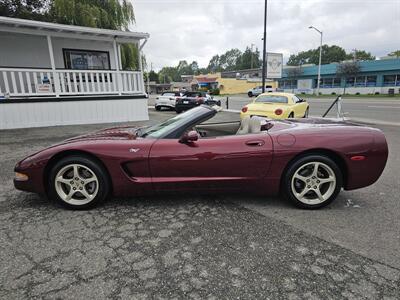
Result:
[[306, 113], [178, 111], [250, 94], [78, 182], [158, 108], [312, 181]]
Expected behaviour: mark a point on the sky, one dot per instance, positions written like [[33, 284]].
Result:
[[198, 29]]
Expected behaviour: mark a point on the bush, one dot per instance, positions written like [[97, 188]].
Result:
[[376, 93], [333, 93], [203, 89], [215, 91]]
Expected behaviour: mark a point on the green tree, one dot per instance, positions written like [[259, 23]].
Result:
[[329, 54], [153, 76], [168, 74], [214, 64], [25, 9], [228, 60], [395, 53], [109, 14], [361, 55], [346, 70], [248, 59], [194, 66]]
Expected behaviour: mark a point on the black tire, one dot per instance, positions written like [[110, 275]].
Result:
[[306, 113], [250, 94], [178, 111], [103, 189], [158, 108], [287, 189], [291, 115]]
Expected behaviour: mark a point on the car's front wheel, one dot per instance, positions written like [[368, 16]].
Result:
[[312, 181], [250, 94], [78, 182]]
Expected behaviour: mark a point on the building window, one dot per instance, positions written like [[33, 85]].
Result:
[[350, 81], [330, 82], [86, 59], [371, 81], [336, 82], [326, 82], [389, 80], [360, 81], [288, 84]]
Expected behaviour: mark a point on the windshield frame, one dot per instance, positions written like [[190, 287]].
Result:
[[174, 130]]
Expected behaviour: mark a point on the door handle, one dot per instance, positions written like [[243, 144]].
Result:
[[255, 143]]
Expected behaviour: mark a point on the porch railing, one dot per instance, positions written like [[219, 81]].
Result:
[[15, 82]]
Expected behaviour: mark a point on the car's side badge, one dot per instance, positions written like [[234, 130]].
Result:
[[134, 150]]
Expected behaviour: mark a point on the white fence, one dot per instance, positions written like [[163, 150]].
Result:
[[16, 82]]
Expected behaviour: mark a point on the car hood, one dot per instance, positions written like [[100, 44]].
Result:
[[115, 133]]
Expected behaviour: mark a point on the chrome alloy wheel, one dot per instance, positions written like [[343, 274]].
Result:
[[76, 184], [313, 183]]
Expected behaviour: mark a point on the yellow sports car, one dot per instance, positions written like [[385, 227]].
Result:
[[277, 106]]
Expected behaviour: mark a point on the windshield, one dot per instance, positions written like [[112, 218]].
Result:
[[168, 94], [194, 94], [271, 99], [159, 130]]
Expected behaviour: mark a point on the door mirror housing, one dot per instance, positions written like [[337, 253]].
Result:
[[189, 137]]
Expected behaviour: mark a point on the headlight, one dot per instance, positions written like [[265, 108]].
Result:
[[21, 176]]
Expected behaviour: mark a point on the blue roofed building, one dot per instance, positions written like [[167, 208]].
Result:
[[375, 77]]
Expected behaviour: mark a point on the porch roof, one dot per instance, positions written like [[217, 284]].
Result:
[[55, 29]]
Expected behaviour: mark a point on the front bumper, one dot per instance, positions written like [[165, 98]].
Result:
[[165, 104], [34, 183]]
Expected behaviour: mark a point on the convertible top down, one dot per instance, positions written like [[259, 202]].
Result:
[[308, 161]]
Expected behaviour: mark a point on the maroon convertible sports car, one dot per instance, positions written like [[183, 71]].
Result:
[[306, 160]]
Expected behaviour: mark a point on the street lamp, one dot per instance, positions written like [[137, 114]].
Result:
[[264, 45], [320, 54]]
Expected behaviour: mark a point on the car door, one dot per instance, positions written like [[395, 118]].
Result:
[[228, 162], [299, 107]]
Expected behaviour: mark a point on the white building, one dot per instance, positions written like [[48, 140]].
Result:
[[54, 74]]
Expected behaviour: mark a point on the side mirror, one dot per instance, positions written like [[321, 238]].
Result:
[[189, 137]]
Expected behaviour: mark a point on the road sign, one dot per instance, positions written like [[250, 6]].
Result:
[[274, 65]]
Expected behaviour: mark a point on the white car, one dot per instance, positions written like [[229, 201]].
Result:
[[167, 100], [258, 90]]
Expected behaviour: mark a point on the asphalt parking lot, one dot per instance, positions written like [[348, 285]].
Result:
[[197, 246]]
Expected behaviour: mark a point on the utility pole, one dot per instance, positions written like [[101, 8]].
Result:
[[264, 46], [355, 54], [252, 55], [148, 78]]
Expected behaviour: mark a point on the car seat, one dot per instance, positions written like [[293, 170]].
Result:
[[244, 126], [255, 124]]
